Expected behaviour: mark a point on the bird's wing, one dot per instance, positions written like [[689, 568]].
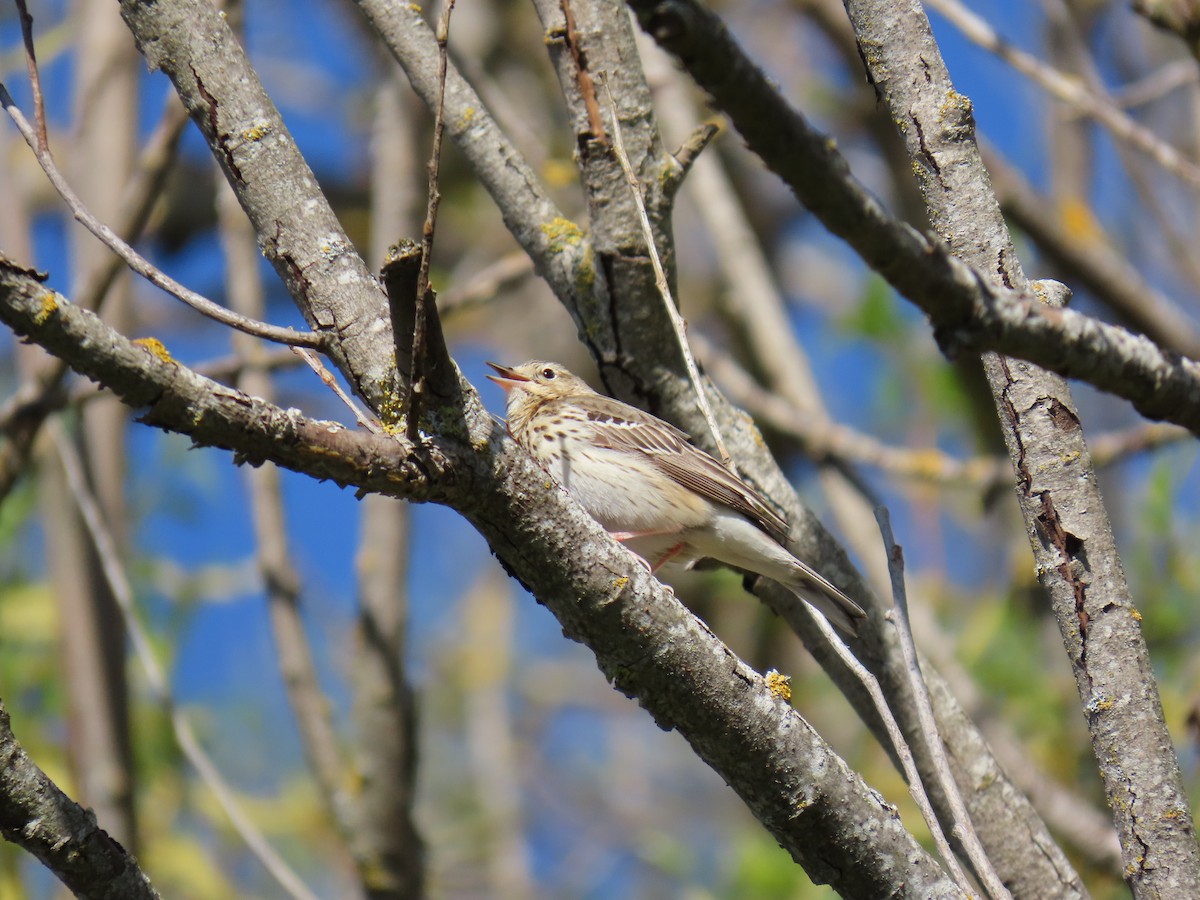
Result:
[[619, 426]]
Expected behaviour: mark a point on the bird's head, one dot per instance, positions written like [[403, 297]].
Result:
[[537, 381]]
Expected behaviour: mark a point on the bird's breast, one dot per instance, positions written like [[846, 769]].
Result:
[[622, 490]]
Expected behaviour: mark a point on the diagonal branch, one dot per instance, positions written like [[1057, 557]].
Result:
[[139, 263], [1067, 523], [644, 640], [35, 814], [968, 311], [191, 41]]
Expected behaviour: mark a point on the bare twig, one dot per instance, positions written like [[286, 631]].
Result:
[[1158, 84], [156, 680], [139, 263], [277, 570], [907, 763], [35, 79], [21, 417], [962, 828], [314, 363], [827, 440], [417, 383], [689, 151], [660, 277], [587, 87]]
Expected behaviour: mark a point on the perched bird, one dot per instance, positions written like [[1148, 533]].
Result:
[[639, 477]]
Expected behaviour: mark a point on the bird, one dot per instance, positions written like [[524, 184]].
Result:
[[644, 481]]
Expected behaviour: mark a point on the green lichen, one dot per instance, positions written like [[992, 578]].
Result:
[[562, 233]]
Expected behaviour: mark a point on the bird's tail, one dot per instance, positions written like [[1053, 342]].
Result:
[[820, 593]]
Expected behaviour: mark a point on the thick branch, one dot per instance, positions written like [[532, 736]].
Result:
[[1091, 262], [297, 230], [1068, 525], [175, 398], [969, 312], [651, 647], [39, 817]]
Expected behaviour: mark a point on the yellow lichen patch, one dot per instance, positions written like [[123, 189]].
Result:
[[620, 583], [779, 684], [467, 117], [48, 307], [927, 462], [257, 132], [562, 233], [390, 412], [156, 348], [955, 100]]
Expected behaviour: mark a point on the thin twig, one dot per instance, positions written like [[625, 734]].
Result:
[[1157, 84], [907, 763], [660, 276], [277, 567], [140, 264], [156, 680], [314, 363], [830, 441], [35, 78], [417, 380], [689, 151], [962, 829]]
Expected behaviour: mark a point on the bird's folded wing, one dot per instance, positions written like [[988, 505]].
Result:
[[617, 428]]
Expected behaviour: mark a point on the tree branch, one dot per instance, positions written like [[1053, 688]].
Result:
[[1068, 526], [297, 230], [36, 815], [968, 311], [644, 640]]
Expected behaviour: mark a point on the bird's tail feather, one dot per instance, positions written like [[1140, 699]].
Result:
[[820, 593]]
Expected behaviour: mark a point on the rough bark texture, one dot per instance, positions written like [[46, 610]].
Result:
[[36, 815], [1065, 516], [1012, 830], [969, 313], [297, 230], [651, 648]]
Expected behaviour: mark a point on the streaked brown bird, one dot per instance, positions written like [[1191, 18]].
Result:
[[639, 477]]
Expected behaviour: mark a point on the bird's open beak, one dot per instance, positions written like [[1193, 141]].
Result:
[[507, 378]]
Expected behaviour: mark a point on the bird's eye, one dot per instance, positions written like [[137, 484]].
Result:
[[547, 373]]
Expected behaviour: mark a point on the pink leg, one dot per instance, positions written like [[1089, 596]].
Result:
[[668, 556]]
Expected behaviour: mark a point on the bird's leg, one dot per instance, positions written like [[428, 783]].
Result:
[[671, 553]]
